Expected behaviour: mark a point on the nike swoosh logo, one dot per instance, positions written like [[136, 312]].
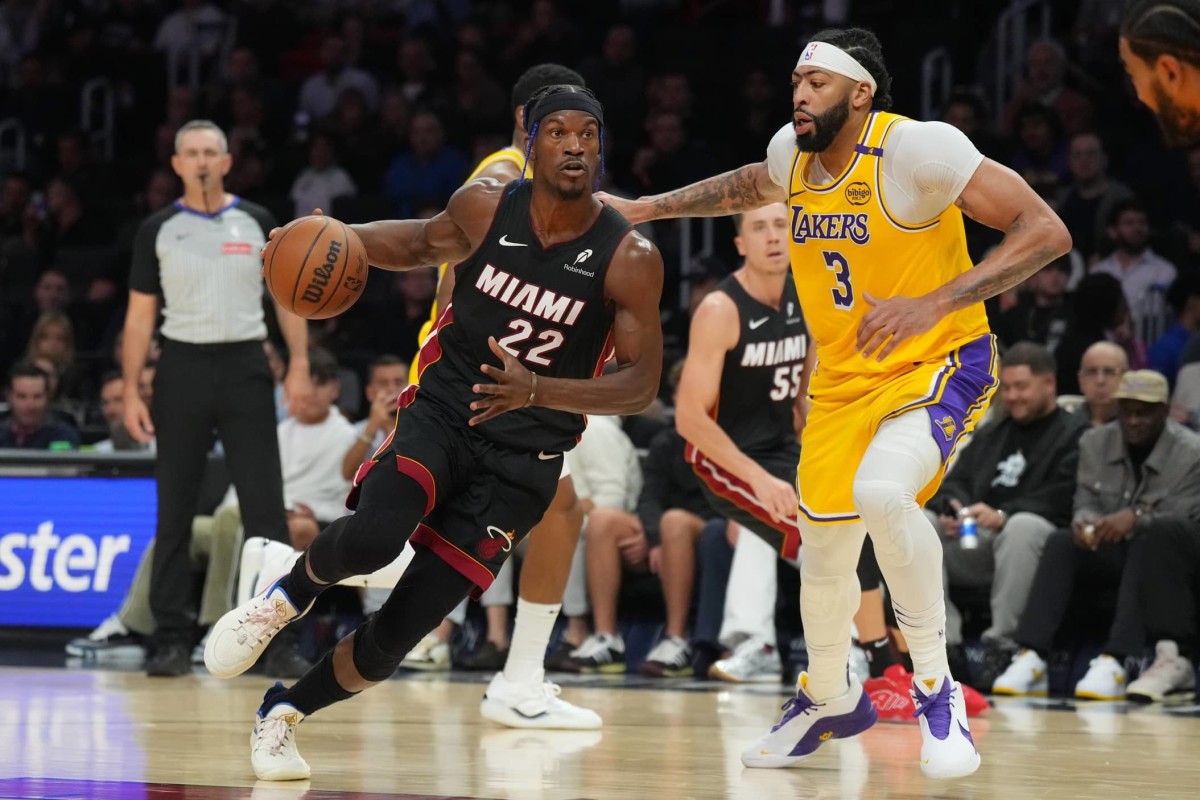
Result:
[[506, 243], [755, 324], [179, 237], [544, 456]]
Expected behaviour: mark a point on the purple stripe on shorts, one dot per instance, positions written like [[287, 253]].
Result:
[[970, 382]]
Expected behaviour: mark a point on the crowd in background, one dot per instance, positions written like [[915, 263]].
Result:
[[380, 108]]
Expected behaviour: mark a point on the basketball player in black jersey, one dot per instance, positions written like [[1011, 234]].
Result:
[[741, 403], [549, 285]]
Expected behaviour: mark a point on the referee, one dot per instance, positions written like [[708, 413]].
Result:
[[201, 254]]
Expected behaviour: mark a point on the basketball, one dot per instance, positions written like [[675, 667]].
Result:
[[315, 267]]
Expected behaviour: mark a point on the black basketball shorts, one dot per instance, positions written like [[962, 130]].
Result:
[[483, 499]]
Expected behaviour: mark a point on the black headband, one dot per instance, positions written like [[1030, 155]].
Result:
[[569, 99]]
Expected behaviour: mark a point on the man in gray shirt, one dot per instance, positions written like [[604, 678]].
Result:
[[1138, 477], [201, 256]]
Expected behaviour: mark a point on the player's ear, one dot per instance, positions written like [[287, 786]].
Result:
[[1169, 72], [519, 116], [740, 245], [226, 164]]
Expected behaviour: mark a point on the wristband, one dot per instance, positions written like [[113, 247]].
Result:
[[532, 389]]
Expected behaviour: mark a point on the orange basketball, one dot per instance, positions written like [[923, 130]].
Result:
[[315, 267]]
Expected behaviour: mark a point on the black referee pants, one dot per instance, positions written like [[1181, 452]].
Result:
[[199, 390]]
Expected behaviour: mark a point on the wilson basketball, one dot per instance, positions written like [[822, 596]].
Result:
[[315, 267]]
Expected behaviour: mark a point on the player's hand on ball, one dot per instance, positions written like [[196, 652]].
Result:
[[778, 496], [316, 213], [891, 321], [512, 389]]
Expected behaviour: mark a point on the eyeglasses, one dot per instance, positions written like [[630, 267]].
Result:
[[1108, 372]]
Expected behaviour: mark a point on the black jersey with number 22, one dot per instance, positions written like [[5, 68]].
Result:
[[545, 305]]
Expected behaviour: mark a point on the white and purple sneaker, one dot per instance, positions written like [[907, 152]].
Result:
[[947, 749], [807, 724]]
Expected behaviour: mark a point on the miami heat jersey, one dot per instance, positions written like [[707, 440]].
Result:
[[846, 244], [546, 305], [761, 377], [514, 156]]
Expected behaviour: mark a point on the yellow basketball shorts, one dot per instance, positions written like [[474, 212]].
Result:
[[846, 411]]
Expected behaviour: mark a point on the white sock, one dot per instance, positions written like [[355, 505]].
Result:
[[531, 637]]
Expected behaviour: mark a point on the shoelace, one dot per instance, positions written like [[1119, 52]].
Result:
[[1158, 669], [259, 623], [552, 690], [799, 703], [274, 732], [669, 651], [935, 707]]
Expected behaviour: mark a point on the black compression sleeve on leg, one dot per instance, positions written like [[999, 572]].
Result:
[[427, 591], [317, 689]]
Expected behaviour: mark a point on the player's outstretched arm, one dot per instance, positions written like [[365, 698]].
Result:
[[634, 285], [743, 189], [451, 236]]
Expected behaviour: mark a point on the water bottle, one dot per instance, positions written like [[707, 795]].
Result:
[[968, 535]]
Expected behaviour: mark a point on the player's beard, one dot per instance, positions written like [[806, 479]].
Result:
[[1180, 126], [570, 192], [825, 127]]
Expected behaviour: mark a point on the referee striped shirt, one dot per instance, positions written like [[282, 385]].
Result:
[[207, 269]]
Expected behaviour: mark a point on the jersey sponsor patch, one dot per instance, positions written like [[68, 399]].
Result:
[[237, 249]]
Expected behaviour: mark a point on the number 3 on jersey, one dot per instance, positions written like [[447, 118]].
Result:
[[522, 329], [843, 293]]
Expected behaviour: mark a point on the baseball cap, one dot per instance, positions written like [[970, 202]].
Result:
[[1143, 384]]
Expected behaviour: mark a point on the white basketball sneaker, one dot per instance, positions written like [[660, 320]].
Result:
[[1025, 676], [238, 638], [273, 750], [534, 705], [1105, 680], [947, 749], [807, 724]]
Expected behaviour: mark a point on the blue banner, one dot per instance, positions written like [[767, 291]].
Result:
[[69, 547]]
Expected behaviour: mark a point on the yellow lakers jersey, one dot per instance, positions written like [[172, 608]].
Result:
[[846, 243], [509, 153]]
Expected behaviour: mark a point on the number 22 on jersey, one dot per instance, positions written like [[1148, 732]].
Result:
[[522, 330]]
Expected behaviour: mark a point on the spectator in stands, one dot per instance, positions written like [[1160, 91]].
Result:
[[672, 510], [112, 408], [319, 94], [1086, 205], [197, 28], [478, 101], [14, 197], [429, 169], [1045, 71], [29, 424], [1039, 155], [618, 77], [53, 338], [322, 180], [1099, 375], [359, 141], [608, 481], [966, 111], [1145, 276], [1183, 297], [1040, 314], [1137, 478], [1015, 479], [1098, 312], [387, 377], [1170, 582], [417, 69]]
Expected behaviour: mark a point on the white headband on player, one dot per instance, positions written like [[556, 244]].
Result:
[[833, 58]]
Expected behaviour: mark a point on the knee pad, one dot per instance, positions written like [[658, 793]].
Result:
[[831, 598], [371, 539], [882, 506], [373, 659]]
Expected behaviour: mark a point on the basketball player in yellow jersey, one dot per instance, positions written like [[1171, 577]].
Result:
[[905, 363], [519, 696]]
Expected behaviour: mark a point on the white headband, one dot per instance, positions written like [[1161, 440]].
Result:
[[833, 58]]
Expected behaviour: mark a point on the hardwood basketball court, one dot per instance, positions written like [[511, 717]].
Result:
[[101, 733]]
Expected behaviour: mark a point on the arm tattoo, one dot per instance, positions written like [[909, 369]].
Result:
[[729, 193], [979, 284]]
